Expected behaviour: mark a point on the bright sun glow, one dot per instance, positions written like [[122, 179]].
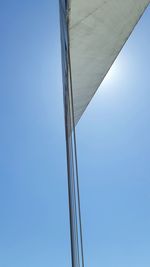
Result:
[[117, 71], [115, 77], [114, 74]]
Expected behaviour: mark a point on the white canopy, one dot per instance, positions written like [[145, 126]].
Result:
[[98, 31]]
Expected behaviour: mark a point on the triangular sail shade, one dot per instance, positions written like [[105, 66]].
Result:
[[98, 30]]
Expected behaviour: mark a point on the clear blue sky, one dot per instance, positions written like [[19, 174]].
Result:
[[113, 148]]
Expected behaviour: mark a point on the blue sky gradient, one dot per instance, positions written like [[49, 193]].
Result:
[[112, 139]]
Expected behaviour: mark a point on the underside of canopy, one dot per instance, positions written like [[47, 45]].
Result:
[[98, 29]]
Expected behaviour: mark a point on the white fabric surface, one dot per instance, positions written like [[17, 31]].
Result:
[[98, 31]]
